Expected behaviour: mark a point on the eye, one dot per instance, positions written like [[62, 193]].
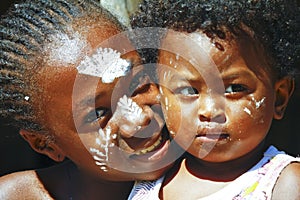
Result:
[[235, 88], [186, 91], [97, 114], [139, 84], [141, 89]]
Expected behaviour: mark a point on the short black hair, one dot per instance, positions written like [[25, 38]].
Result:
[[23, 32], [275, 23]]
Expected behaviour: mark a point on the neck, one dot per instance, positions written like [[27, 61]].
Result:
[[92, 187], [223, 171], [66, 181]]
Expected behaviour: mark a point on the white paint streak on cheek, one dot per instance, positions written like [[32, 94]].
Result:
[[103, 141], [105, 63], [246, 110], [167, 103], [257, 103], [63, 49], [161, 91]]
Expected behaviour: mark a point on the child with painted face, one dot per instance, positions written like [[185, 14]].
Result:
[[225, 70], [65, 66]]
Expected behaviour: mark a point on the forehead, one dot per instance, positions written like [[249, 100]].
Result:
[[65, 48], [92, 47], [201, 54], [195, 52]]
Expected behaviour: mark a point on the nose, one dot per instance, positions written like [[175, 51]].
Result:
[[211, 109]]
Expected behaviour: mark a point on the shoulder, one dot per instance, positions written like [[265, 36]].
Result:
[[288, 183], [22, 185]]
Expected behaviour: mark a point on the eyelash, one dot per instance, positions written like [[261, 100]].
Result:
[[232, 89], [186, 91], [97, 114], [236, 88]]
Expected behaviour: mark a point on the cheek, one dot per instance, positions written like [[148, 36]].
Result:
[[259, 109], [253, 114], [171, 110], [180, 117]]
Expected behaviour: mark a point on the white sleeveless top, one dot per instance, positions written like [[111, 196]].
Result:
[[255, 184]]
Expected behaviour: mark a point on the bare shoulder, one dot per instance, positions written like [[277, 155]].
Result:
[[22, 185], [288, 183]]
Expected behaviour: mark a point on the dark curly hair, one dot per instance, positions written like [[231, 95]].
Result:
[[24, 30], [275, 23]]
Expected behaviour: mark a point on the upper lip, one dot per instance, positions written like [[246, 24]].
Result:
[[204, 131]]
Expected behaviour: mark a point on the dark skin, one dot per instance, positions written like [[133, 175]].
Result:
[[80, 177], [222, 127]]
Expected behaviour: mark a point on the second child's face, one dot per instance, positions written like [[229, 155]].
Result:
[[218, 102]]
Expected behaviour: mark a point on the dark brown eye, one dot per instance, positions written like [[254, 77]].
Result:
[[139, 84], [186, 91], [96, 114], [235, 88]]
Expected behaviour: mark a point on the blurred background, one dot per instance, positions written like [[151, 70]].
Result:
[[16, 154]]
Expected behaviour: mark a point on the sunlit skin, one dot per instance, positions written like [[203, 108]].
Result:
[[73, 105], [219, 109], [65, 102], [228, 117]]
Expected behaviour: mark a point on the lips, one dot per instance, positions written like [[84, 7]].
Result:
[[213, 137], [212, 134]]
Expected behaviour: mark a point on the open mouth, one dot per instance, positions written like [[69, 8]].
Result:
[[146, 149], [150, 148], [155, 151]]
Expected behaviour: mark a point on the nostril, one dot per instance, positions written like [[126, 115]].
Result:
[[204, 118], [146, 122], [218, 118]]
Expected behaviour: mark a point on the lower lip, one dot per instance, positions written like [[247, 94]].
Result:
[[213, 138]]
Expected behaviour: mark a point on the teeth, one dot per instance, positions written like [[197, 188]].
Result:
[[144, 151]]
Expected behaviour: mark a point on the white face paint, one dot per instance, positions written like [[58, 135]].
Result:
[[102, 157], [105, 63], [64, 50], [201, 41], [259, 103], [128, 116], [248, 111]]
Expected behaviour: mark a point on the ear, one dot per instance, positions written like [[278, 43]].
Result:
[[43, 144], [284, 89]]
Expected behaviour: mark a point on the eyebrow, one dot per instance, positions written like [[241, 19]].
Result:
[[228, 76], [90, 100]]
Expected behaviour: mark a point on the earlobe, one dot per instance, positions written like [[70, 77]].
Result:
[[284, 89], [43, 144]]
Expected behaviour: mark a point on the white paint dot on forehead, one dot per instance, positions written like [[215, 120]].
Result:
[[202, 40], [64, 49], [105, 63]]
